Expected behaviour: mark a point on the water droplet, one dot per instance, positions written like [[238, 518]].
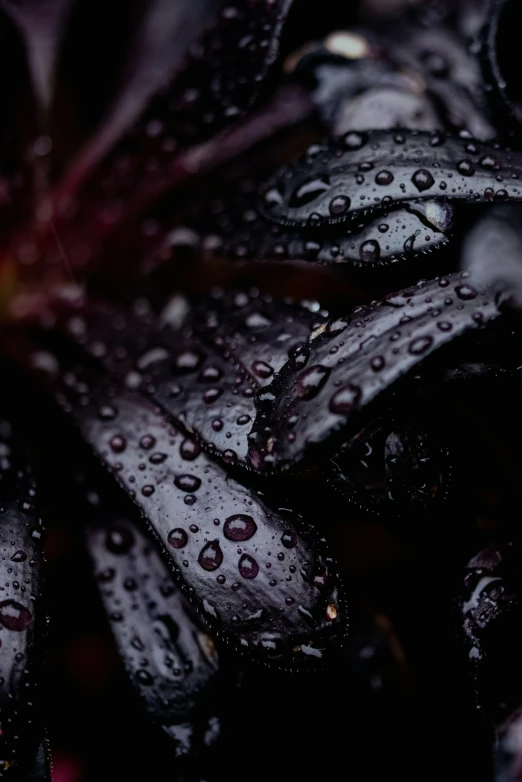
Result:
[[144, 677], [211, 374], [370, 251], [19, 556], [239, 527], [466, 292], [443, 325], [189, 450], [422, 179], [339, 205], [217, 424], [489, 163], [117, 443], [466, 167], [211, 556], [14, 616], [157, 458], [377, 363], [188, 361], [147, 490], [354, 140], [262, 369], [221, 579], [420, 345], [177, 538], [229, 456], [248, 567], [273, 198], [243, 419], [344, 400], [107, 413], [119, 540], [384, 178], [289, 538], [312, 381], [147, 442], [211, 394]]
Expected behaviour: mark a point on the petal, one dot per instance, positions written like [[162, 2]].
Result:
[[168, 655], [499, 59], [350, 362], [41, 771], [369, 171]]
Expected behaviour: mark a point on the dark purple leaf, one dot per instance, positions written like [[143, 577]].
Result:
[[392, 466], [351, 361], [263, 585], [499, 57], [364, 172], [491, 606], [396, 234], [22, 621], [168, 654], [202, 369]]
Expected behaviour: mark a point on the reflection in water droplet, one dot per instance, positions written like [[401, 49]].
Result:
[[312, 381], [422, 179], [189, 483], [370, 251], [239, 527], [189, 450], [384, 178], [248, 567], [344, 400], [177, 538], [211, 556], [339, 205], [14, 616], [289, 539]]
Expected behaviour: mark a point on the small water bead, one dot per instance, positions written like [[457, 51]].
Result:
[[257, 321], [312, 381], [130, 584], [289, 539], [217, 424], [339, 205], [14, 616], [466, 167], [188, 483], [194, 528], [117, 443], [262, 369], [354, 140], [466, 292], [229, 456], [19, 556], [144, 678], [107, 575], [107, 413], [344, 400], [489, 163], [239, 527], [147, 442], [273, 198], [383, 228], [377, 363], [188, 361], [422, 179], [444, 325], [177, 538], [211, 395], [242, 420], [221, 579], [147, 490], [370, 251], [248, 566], [420, 345], [189, 499], [189, 450], [211, 374], [211, 556], [384, 178], [157, 458], [119, 540]]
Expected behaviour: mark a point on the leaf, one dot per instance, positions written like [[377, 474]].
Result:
[[169, 657], [361, 173], [351, 361], [22, 618], [264, 585]]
